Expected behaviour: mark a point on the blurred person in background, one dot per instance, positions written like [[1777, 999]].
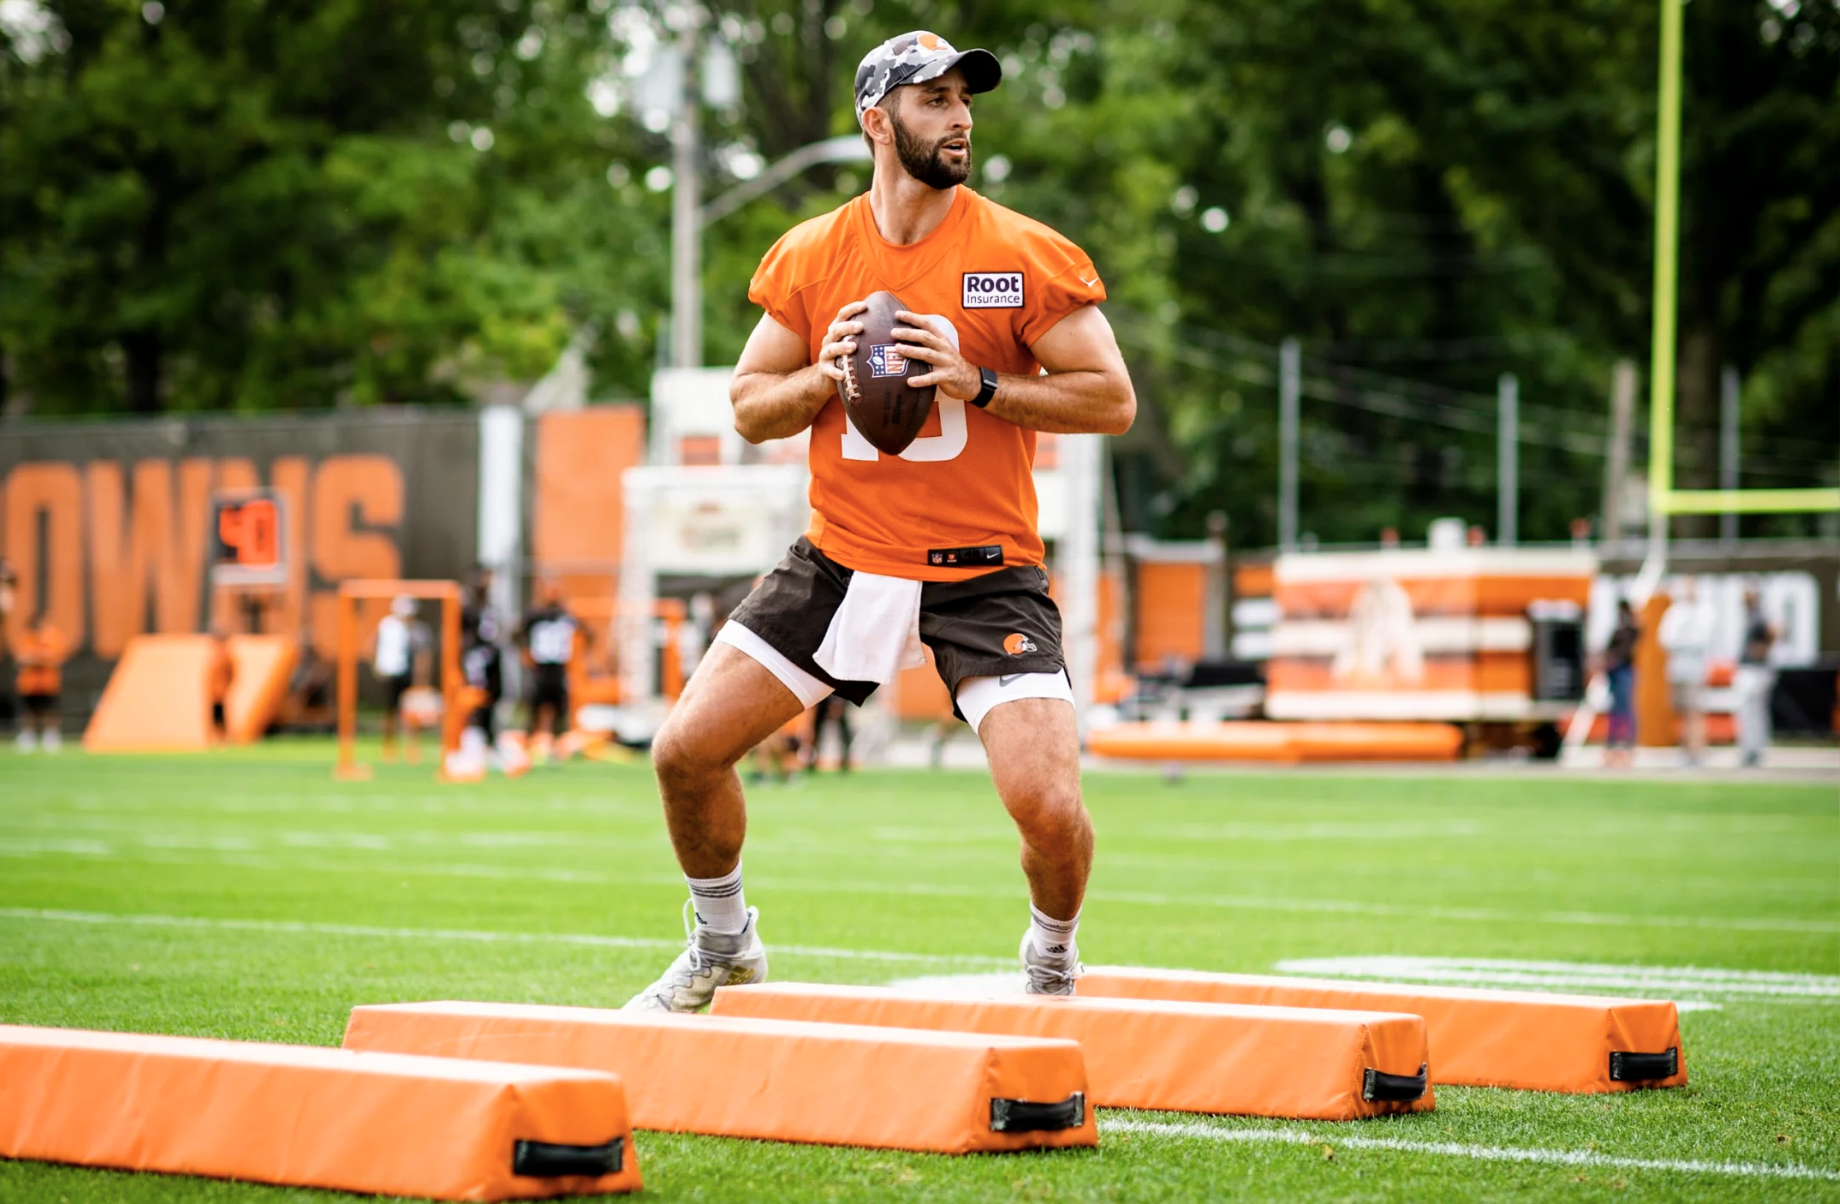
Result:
[[548, 638], [310, 687], [40, 654], [778, 754], [832, 709], [1620, 672], [1755, 681], [1686, 634], [222, 673], [400, 663], [482, 655]]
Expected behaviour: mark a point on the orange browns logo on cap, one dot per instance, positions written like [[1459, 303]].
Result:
[[928, 41], [1015, 643]]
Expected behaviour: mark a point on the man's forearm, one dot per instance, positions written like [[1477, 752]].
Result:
[[770, 406], [1067, 403]]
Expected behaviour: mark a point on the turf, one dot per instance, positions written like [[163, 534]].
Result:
[[246, 895]]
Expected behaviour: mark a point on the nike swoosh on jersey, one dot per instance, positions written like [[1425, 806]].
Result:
[[1010, 679]]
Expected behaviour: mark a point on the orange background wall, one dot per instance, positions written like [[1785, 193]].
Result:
[[1171, 614]]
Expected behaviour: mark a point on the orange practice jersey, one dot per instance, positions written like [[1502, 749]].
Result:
[[40, 655], [1002, 280]]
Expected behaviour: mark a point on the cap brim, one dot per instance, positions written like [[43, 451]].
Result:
[[982, 70]]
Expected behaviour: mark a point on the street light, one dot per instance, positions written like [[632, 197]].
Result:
[[846, 148], [678, 73]]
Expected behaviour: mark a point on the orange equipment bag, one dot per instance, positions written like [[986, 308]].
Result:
[[1183, 1057], [1479, 1038], [307, 1116], [835, 1084]]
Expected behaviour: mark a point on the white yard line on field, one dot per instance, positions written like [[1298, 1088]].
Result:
[[462, 934], [231, 852], [1485, 1153], [1550, 975]]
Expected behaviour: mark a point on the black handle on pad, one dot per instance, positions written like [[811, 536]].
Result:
[[1644, 1067], [548, 1160], [1379, 1087], [1021, 1116]]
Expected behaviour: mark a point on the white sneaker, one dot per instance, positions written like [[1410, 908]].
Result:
[[1049, 973], [25, 741], [51, 741], [709, 960]]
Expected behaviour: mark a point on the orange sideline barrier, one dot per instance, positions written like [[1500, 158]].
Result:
[[158, 698], [1479, 1038], [307, 1116], [1181, 1057], [1377, 741], [1284, 743], [260, 666], [833, 1084]]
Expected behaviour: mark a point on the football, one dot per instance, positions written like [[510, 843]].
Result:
[[883, 406]]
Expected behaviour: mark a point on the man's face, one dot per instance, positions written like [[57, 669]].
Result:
[[932, 129]]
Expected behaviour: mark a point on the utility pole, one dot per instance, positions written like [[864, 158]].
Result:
[[1508, 460], [1290, 389], [686, 206], [1616, 455], [1728, 450]]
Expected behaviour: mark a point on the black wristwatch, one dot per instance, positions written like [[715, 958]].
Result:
[[989, 377]]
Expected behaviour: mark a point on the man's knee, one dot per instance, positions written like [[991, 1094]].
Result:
[[678, 757], [1053, 814]]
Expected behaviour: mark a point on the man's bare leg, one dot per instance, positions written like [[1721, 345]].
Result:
[[1034, 748], [731, 704], [1034, 752]]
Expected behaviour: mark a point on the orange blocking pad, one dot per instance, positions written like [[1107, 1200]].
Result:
[[307, 1116], [158, 698], [1283, 743], [258, 684], [1183, 1057], [834, 1084], [1479, 1038]]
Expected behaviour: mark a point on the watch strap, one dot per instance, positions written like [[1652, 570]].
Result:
[[989, 390]]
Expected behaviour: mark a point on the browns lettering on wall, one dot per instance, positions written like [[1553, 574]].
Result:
[[108, 526]]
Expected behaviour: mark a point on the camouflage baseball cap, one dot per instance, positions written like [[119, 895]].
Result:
[[914, 58]]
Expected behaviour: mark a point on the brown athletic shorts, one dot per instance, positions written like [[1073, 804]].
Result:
[[997, 624]]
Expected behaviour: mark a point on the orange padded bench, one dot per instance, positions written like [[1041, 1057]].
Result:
[[306, 1116], [1184, 1057], [834, 1084], [1479, 1038]]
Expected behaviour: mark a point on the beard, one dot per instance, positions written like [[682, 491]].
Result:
[[926, 163]]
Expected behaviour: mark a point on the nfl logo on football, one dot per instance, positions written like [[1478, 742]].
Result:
[[884, 360]]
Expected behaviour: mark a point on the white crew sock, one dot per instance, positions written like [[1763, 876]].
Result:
[[1054, 939], [720, 905]]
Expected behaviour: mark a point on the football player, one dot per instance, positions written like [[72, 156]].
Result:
[[1004, 311], [400, 661], [482, 633], [548, 638], [40, 652]]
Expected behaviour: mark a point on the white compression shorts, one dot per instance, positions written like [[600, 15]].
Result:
[[977, 696]]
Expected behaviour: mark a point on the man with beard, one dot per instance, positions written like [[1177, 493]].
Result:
[[937, 546]]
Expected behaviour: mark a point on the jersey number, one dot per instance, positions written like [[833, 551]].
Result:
[[552, 643], [948, 444]]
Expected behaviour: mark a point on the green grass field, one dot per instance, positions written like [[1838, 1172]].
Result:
[[246, 895]]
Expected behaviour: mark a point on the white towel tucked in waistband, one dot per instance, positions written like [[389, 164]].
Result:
[[876, 632]]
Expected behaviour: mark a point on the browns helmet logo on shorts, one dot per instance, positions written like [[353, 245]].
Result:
[[1015, 643]]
